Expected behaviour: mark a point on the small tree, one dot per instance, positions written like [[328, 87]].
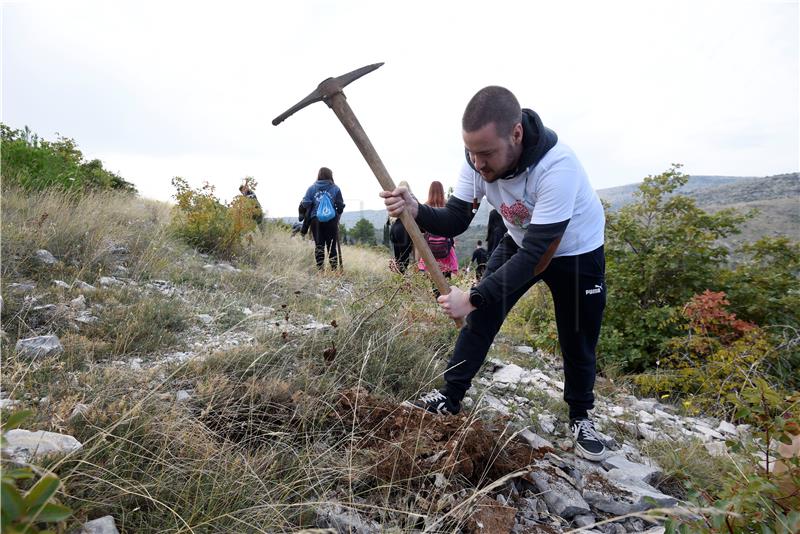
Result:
[[363, 232], [660, 250]]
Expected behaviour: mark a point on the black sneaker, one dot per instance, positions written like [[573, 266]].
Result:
[[436, 402], [588, 443]]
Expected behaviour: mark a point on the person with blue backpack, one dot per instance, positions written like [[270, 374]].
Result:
[[323, 205]]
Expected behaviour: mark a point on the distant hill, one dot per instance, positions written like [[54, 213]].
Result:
[[776, 197]]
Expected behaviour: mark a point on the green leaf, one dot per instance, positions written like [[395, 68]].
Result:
[[15, 419], [20, 473], [11, 501], [52, 513], [41, 492]]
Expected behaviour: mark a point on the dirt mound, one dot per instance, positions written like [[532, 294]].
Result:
[[405, 443]]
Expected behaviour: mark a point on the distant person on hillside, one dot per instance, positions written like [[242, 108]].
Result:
[[495, 231], [323, 205], [401, 241], [247, 191], [555, 224], [479, 258], [443, 248]]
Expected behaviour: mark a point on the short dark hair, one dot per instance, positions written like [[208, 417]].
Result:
[[325, 174], [492, 104], [479, 242]]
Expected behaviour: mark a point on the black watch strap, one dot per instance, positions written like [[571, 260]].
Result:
[[475, 298]]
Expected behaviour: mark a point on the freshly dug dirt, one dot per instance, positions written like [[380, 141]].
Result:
[[405, 443]]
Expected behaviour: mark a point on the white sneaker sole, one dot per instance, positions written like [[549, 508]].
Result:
[[591, 456]]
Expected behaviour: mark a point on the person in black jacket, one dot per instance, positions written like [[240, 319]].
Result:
[[479, 258], [555, 225], [495, 231], [325, 232]]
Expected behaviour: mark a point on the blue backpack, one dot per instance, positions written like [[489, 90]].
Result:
[[325, 211]]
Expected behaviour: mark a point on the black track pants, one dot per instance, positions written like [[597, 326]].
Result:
[[325, 238], [577, 284]]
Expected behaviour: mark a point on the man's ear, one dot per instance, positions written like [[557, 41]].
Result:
[[516, 133]]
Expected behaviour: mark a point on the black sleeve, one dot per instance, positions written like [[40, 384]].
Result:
[[338, 203], [519, 269], [448, 221]]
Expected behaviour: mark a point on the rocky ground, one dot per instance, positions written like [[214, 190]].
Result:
[[510, 442]]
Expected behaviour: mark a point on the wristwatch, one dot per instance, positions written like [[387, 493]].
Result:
[[475, 298]]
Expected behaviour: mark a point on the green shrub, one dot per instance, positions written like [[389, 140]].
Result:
[[207, 224], [660, 250], [35, 164]]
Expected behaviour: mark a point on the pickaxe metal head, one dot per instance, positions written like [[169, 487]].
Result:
[[325, 90]]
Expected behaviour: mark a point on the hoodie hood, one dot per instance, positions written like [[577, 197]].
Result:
[[537, 140]]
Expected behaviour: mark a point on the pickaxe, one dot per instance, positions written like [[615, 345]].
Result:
[[330, 92]]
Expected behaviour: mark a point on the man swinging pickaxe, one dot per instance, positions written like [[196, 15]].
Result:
[[330, 91]]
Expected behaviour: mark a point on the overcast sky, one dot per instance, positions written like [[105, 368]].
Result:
[[163, 89]]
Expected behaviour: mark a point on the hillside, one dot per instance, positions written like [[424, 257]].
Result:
[[174, 392]]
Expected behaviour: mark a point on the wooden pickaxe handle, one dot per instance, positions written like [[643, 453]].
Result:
[[338, 103]]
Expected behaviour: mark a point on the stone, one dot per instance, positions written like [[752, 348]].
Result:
[[60, 283], [182, 396], [45, 257], [78, 303], [333, 515], [101, 525], [205, 318], [535, 440], [24, 445], [510, 374], [22, 288], [716, 448], [524, 349], [490, 517], [83, 286], [634, 524], [86, 317], [547, 423], [707, 432], [560, 496], [35, 347], [8, 403], [645, 417], [727, 428], [615, 493], [583, 520], [108, 281], [641, 472]]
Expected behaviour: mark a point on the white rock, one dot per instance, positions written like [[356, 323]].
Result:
[[645, 417], [83, 286], [314, 325], [101, 525], [45, 257], [22, 288], [107, 281], [247, 311], [716, 448], [60, 283], [205, 318], [524, 349], [707, 432], [727, 428], [35, 347], [182, 396], [547, 423], [24, 445], [510, 374], [8, 403], [78, 303], [535, 440]]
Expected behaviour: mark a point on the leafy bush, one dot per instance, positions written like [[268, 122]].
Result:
[[660, 250], [35, 164], [717, 357], [207, 224]]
